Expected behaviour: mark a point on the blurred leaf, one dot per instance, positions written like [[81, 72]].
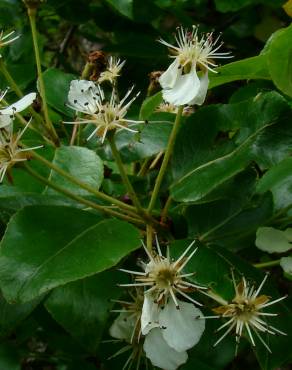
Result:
[[83, 307], [280, 59], [9, 357], [272, 240], [232, 5], [58, 245], [288, 7], [124, 7], [57, 85], [149, 104], [246, 69], [286, 264], [82, 163]]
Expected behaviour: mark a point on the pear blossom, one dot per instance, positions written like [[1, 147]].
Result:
[[7, 113], [181, 82], [87, 98], [112, 71], [6, 39], [164, 277], [166, 341], [245, 313], [11, 152]]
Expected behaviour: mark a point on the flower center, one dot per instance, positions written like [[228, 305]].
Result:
[[164, 278]]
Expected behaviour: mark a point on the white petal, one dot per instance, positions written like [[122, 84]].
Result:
[[185, 89], [5, 120], [81, 95], [201, 96], [183, 329], [123, 326], [149, 317], [20, 105], [168, 79], [160, 354]]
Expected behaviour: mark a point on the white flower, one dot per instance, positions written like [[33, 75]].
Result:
[[11, 151], [164, 277], [181, 328], [112, 71], [7, 39], [159, 352], [87, 98], [180, 82], [244, 312], [7, 113]]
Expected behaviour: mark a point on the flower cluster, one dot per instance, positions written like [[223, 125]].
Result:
[[169, 326], [166, 326], [181, 82]]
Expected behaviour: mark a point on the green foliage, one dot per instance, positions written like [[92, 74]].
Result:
[[227, 184]]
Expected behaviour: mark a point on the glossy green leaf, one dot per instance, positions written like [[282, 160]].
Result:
[[152, 140], [275, 175], [82, 163], [280, 59], [83, 307], [57, 245], [246, 69], [57, 85], [199, 170], [278, 179]]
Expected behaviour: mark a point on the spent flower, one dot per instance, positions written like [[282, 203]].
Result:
[[180, 82], [245, 313], [11, 151], [113, 69], [6, 39]]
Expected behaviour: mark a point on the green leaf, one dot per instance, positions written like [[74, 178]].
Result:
[[12, 314], [148, 106], [280, 59], [83, 307], [200, 163], [9, 357], [232, 5], [57, 245], [82, 163], [125, 7], [286, 264], [12, 199], [275, 175], [57, 85], [278, 179], [152, 140], [246, 69], [272, 240]]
